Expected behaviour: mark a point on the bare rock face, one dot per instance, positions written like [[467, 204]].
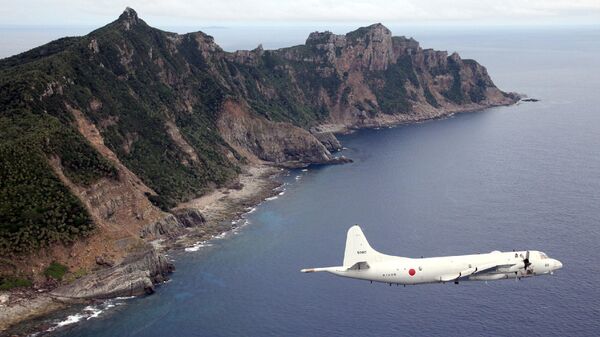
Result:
[[375, 79], [136, 275], [368, 48], [329, 140], [259, 139], [173, 225], [165, 227], [128, 18], [374, 43], [189, 217]]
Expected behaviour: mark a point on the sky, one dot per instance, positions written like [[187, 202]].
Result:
[[294, 12]]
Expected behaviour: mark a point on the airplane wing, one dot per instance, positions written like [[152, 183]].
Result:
[[477, 270], [454, 277]]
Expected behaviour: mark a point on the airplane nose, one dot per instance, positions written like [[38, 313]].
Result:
[[557, 264]]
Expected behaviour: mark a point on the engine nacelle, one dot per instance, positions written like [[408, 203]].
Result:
[[514, 268], [488, 277]]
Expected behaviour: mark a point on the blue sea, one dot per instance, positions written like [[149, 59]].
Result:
[[520, 177]]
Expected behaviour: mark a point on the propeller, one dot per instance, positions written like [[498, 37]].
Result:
[[526, 262]]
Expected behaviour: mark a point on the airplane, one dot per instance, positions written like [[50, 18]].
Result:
[[365, 263]]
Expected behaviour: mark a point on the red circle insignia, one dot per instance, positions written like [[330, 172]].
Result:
[[411, 272]]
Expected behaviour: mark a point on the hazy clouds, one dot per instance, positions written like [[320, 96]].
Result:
[[277, 11]]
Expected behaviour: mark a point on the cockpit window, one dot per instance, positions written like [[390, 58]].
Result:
[[543, 255]]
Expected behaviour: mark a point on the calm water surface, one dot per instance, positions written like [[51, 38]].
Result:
[[519, 177]]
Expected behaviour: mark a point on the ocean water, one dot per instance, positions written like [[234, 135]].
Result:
[[520, 177]]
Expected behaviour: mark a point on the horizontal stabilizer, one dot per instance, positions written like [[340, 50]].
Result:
[[315, 270]]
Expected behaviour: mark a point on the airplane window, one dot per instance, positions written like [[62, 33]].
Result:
[[543, 256]]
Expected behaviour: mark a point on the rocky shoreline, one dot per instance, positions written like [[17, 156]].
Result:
[[142, 270], [195, 221]]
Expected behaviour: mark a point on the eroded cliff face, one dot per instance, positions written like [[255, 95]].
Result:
[[261, 140], [378, 79]]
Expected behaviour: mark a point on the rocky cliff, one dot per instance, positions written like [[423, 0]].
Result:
[[101, 135], [136, 275]]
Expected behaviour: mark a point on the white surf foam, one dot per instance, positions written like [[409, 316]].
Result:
[[89, 312], [71, 319], [196, 247]]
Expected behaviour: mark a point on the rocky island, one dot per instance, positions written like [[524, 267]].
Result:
[[117, 144]]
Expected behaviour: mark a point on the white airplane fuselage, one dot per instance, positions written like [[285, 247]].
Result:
[[363, 262]]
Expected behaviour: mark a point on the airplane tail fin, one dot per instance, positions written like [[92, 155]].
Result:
[[358, 249], [357, 256]]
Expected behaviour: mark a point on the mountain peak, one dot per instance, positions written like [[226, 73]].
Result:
[[129, 13], [129, 17], [377, 25], [374, 29]]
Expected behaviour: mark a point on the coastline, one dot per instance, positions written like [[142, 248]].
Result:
[[222, 209]]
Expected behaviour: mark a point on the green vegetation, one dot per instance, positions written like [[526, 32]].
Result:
[[455, 93], [56, 271], [7, 283], [79, 273], [392, 95], [477, 93], [358, 33], [35, 207], [293, 103], [430, 99]]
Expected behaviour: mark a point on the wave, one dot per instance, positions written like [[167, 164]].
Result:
[[196, 247], [89, 312]]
